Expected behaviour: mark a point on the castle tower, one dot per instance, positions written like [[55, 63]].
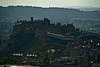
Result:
[[31, 19]]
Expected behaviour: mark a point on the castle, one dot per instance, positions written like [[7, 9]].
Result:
[[40, 28], [34, 34]]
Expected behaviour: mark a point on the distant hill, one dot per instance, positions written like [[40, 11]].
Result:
[[15, 11], [90, 9], [83, 8]]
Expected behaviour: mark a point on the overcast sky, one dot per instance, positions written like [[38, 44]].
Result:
[[51, 3]]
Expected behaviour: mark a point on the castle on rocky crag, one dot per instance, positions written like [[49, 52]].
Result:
[[35, 34], [41, 28]]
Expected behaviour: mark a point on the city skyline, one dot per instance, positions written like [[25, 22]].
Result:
[[51, 3]]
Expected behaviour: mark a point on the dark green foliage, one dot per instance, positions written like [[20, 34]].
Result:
[[40, 56], [77, 33], [7, 60], [84, 32]]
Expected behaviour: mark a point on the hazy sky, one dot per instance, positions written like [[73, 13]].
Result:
[[51, 3]]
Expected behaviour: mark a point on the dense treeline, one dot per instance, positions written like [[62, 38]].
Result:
[[8, 60]]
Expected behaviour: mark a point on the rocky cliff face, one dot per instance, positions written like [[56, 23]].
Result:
[[29, 36]]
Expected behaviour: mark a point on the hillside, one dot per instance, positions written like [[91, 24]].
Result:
[[39, 12]]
